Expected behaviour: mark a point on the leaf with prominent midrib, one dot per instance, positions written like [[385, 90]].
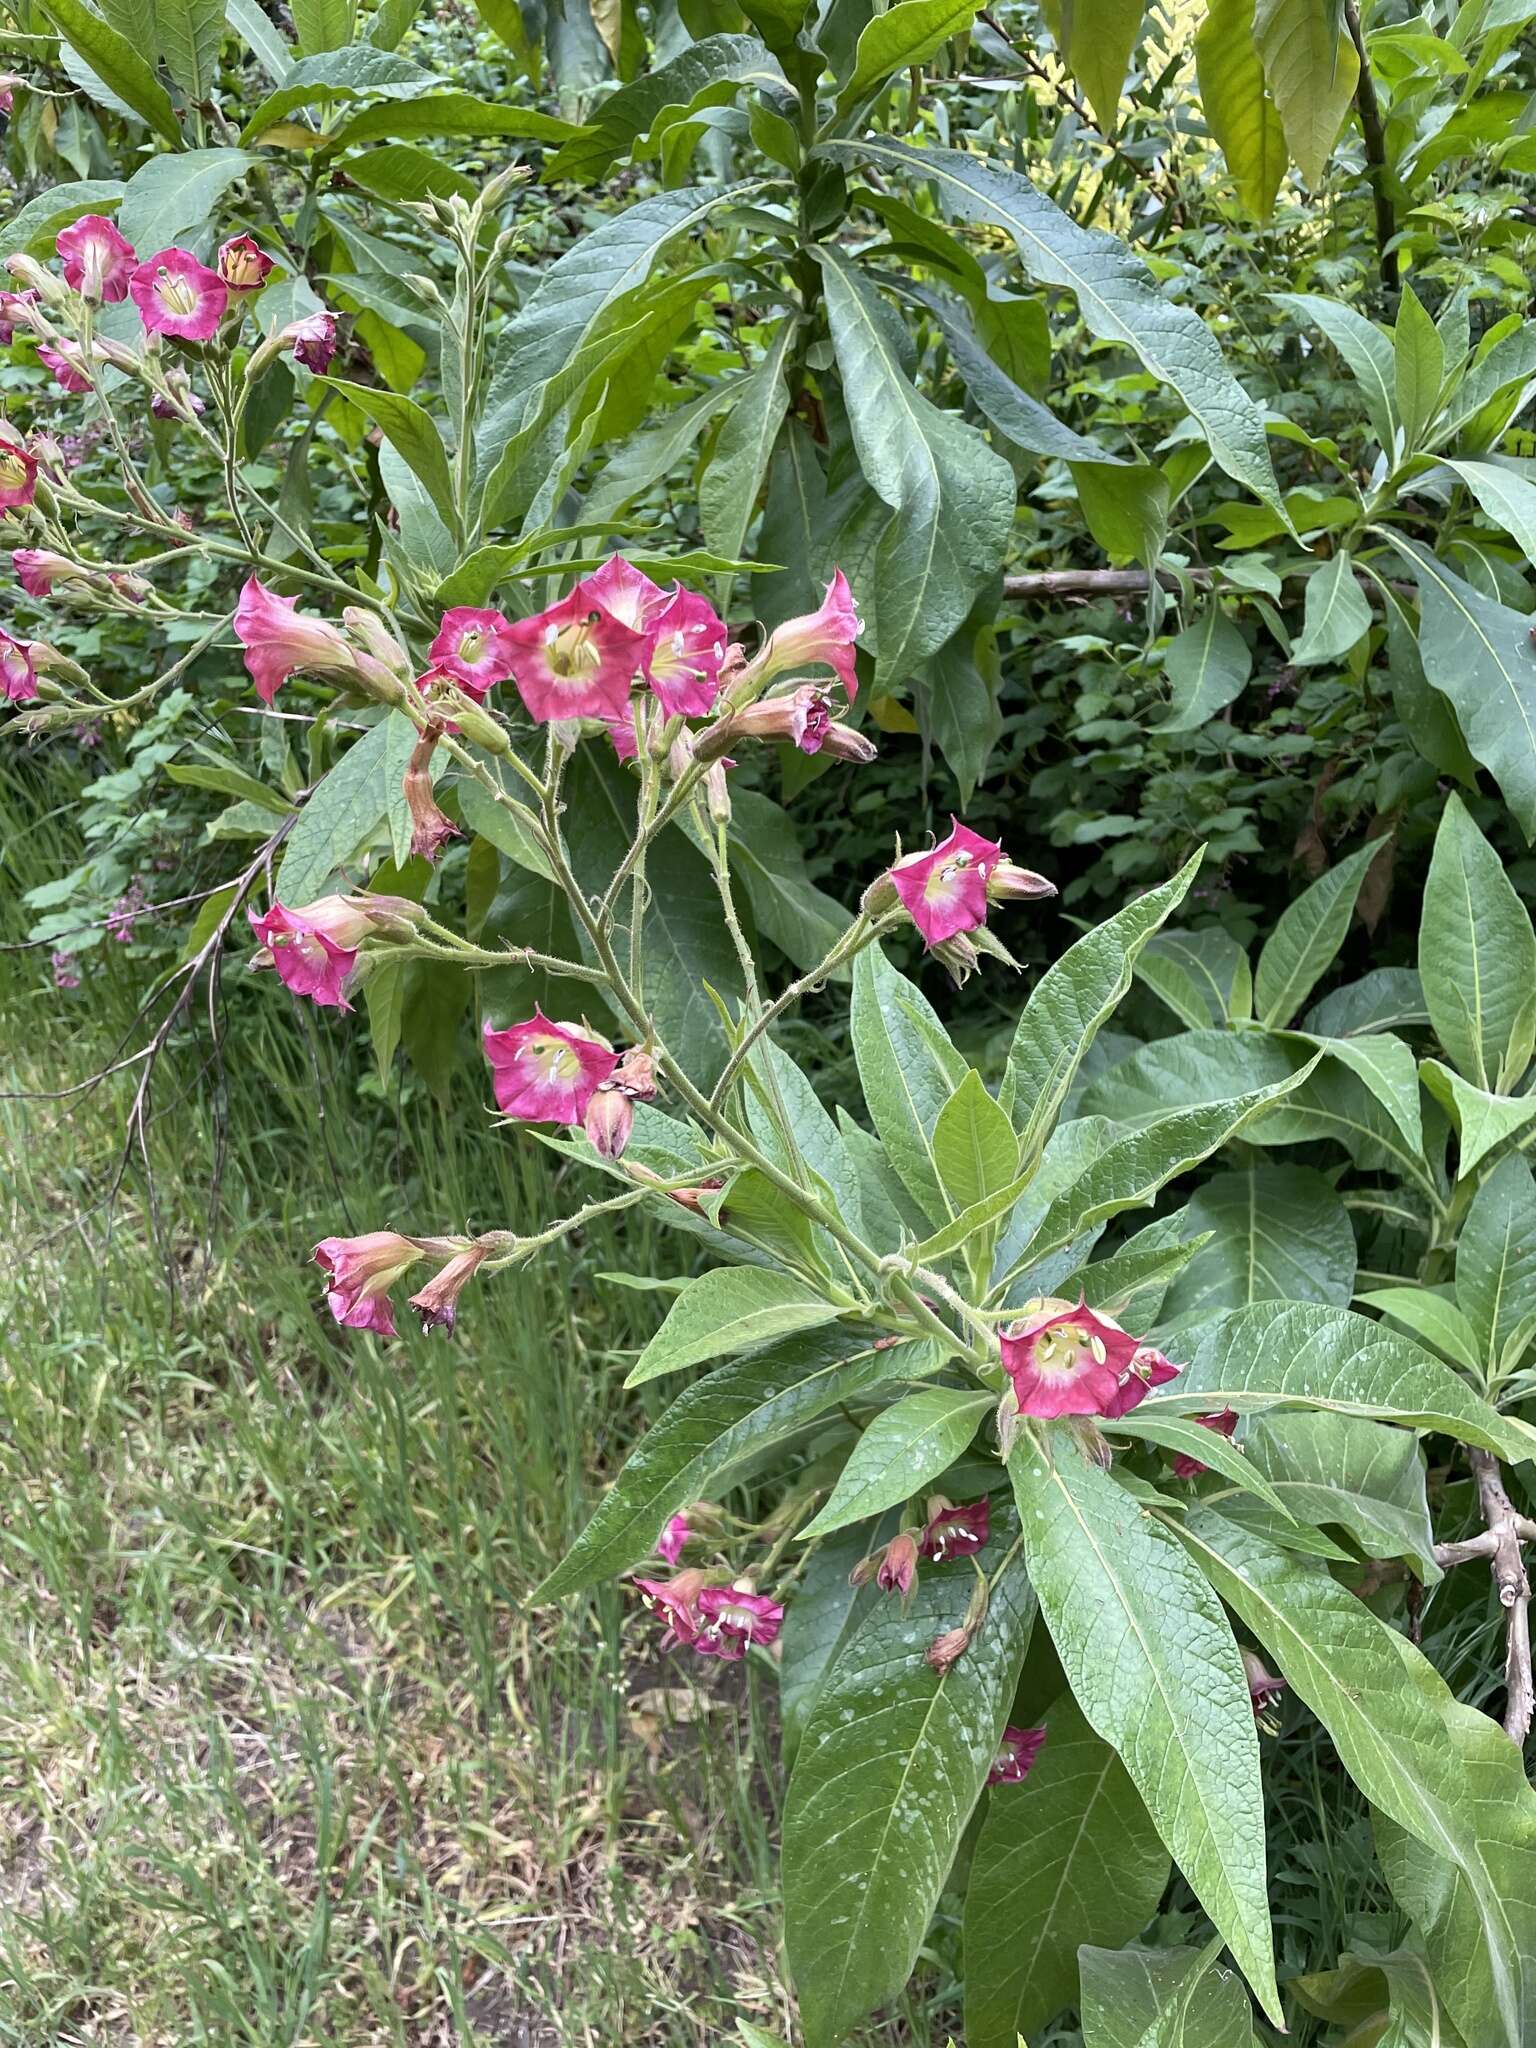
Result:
[[730, 1416], [1308, 935], [904, 1449], [951, 496], [1310, 66], [1279, 1233], [1070, 1857], [1496, 1255], [905, 34], [1335, 613], [1152, 1662], [1363, 1477], [888, 1773], [1304, 1355], [1158, 1998], [734, 1308], [1206, 665], [1477, 953], [345, 808], [1115, 293], [1237, 108], [908, 1070], [974, 1146], [1444, 1773]]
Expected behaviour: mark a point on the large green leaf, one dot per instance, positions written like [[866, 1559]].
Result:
[[974, 1146], [1392, 1989], [1504, 496], [717, 1424], [1206, 666], [1097, 39], [1070, 1002], [1115, 293], [1070, 1858], [1496, 1256], [1152, 1662], [908, 33], [1186, 1071], [1307, 937], [1418, 369], [449, 114], [823, 1614], [1161, 1998], [344, 810], [1478, 653], [907, 1069], [36, 226], [1443, 1773], [1011, 411], [1363, 1477], [707, 73], [1364, 347], [339, 77], [1481, 1119], [413, 435], [118, 63], [1237, 108], [1311, 68], [791, 1124], [888, 1773], [734, 1308], [1388, 1068], [904, 1449], [173, 195], [730, 487], [951, 496], [191, 34], [1306, 1355], [1279, 1233], [1335, 614], [1477, 955]]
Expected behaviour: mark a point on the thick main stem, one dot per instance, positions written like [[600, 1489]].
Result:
[[1373, 133]]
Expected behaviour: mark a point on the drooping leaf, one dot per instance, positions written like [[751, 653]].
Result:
[[338, 76], [1335, 613], [1014, 413], [1097, 39], [1206, 665], [1237, 108], [1481, 1120], [1388, 1068], [1071, 1859], [734, 1308], [1302, 946], [907, 1069], [1431, 1317], [888, 1773], [1496, 1256], [1311, 69], [904, 1449], [1126, 509], [1152, 1663], [730, 487], [1505, 497], [1115, 293], [191, 34], [951, 497], [1477, 955], [730, 1416]]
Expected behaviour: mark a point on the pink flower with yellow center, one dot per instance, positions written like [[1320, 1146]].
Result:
[[313, 341], [731, 1618], [1223, 1422], [37, 570], [575, 660], [179, 296], [18, 675], [98, 261], [243, 264], [1016, 1755], [18, 475], [677, 1599], [314, 947], [687, 647], [1066, 1360], [473, 647], [823, 638], [359, 1274], [624, 592], [279, 639], [1148, 1369], [545, 1073], [955, 1532], [67, 364], [945, 890]]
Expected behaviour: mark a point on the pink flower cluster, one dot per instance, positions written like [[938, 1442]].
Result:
[[314, 948], [361, 1271], [547, 1073], [948, 890], [715, 1620], [1064, 1358], [949, 1532]]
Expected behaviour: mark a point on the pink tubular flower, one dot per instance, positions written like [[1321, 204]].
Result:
[[431, 827], [279, 639], [179, 296], [18, 475], [473, 647], [18, 675], [687, 647], [823, 637], [677, 1599], [14, 310], [955, 1532], [313, 340], [1066, 1360], [243, 264], [733, 1617], [313, 947], [945, 891], [893, 1567], [1264, 1689], [575, 660], [673, 1540], [546, 1073], [624, 592], [98, 261], [1224, 1421], [1148, 1369], [438, 1302], [37, 570], [1020, 1747], [803, 717], [67, 364], [359, 1274]]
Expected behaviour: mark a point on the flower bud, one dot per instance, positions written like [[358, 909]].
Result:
[[609, 1120], [370, 632], [893, 1567], [717, 795], [958, 956], [1009, 883], [947, 1650], [36, 277]]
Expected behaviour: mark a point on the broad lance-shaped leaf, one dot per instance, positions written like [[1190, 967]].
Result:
[[1364, 347], [1363, 1477], [346, 808], [1161, 1998], [1152, 1662], [1277, 1233], [1071, 1859], [708, 73], [951, 496], [1311, 67], [1478, 653], [1182, 1436], [1115, 293], [1496, 1256], [1419, 369], [1388, 1068], [908, 33], [1237, 108], [1430, 1317], [1307, 937], [118, 63], [1011, 411], [974, 1146], [730, 486], [1069, 1003], [1206, 666], [1479, 952], [1482, 1120], [718, 1423], [887, 1776], [1369, 1989], [735, 1308], [412, 434], [821, 1617], [904, 1449], [191, 35], [174, 193], [1185, 1071], [1129, 1172], [908, 1070], [1335, 614], [1442, 1772], [1097, 39], [338, 78], [1505, 497], [1308, 1356], [790, 1123]]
